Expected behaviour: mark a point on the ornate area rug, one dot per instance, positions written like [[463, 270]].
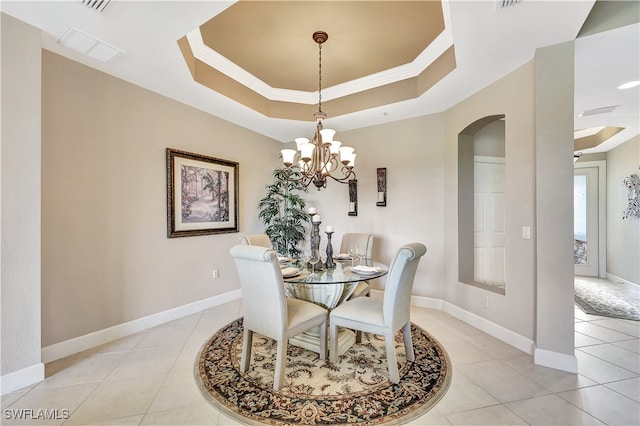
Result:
[[354, 391], [600, 300]]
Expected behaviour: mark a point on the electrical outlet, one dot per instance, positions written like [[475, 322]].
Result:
[[216, 274]]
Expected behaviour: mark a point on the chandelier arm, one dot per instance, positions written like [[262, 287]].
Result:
[[333, 163], [349, 176], [303, 178]]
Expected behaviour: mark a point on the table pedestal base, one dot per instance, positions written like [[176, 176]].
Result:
[[311, 340]]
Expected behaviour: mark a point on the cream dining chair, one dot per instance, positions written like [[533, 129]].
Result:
[[261, 240], [384, 317], [268, 311], [365, 242]]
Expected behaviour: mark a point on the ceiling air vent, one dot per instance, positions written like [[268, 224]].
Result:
[[596, 111], [503, 4], [98, 5], [89, 45]]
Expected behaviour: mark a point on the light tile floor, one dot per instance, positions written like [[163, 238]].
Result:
[[147, 378]]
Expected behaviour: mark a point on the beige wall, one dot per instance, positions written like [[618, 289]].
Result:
[[20, 202], [514, 310], [106, 258], [623, 235], [412, 151]]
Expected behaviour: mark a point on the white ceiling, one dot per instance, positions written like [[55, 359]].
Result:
[[489, 43]]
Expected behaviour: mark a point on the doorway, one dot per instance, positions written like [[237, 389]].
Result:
[[489, 221], [589, 223]]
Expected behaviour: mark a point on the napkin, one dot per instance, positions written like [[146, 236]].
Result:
[[364, 268]]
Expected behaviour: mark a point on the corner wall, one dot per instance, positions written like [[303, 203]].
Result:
[[554, 207], [20, 204]]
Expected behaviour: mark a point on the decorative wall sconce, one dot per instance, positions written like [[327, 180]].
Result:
[[382, 186], [353, 197]]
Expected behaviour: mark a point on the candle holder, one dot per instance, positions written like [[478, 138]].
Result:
[[315, 245], [330, 264]]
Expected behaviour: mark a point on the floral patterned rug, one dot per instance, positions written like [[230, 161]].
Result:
[[356, 390]]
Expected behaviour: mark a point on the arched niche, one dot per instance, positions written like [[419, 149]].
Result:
[[481, 218]]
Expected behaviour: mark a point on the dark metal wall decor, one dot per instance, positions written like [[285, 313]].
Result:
[[353, 197], [633, 201], [382, 186]]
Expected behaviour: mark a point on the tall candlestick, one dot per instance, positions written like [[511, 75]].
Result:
[[316, 218], [315, 241], [330, 264], [312, 210]]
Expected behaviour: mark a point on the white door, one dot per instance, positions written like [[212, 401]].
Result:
[[585, 221], [489, 216]]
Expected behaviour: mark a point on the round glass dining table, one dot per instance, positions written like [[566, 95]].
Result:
[[329, 288]]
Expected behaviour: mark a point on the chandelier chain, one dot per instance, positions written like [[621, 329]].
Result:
[[320, 77]]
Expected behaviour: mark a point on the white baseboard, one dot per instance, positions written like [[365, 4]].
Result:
[[491, 328], [556, 360], [499, 332], [427, 302], [81, 343], [21, 378], [616, 278], [420, 301]]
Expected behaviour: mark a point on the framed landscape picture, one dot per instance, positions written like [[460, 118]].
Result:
[[202, 195]]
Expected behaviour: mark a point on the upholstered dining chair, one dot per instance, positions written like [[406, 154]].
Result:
[[261, 240], [384, 317], [364, 241], [268, 311]]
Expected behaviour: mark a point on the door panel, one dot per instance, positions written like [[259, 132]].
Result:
[[489, 232]]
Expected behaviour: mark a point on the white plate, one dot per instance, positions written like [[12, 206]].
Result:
[[290, 272], [342, 256], [366, 271]]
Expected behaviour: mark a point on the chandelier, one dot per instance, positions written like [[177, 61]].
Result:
[[322, 157]]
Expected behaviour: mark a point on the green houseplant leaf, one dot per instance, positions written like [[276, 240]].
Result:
[[282, 210]]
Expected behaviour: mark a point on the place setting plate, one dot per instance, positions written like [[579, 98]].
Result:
[[342, 256], [366, 270], [290, 271]]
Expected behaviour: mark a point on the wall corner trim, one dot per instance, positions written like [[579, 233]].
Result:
[[557, 360], [81, 343], [19, 379]]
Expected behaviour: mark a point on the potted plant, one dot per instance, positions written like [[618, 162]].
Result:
[[282, 210]]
